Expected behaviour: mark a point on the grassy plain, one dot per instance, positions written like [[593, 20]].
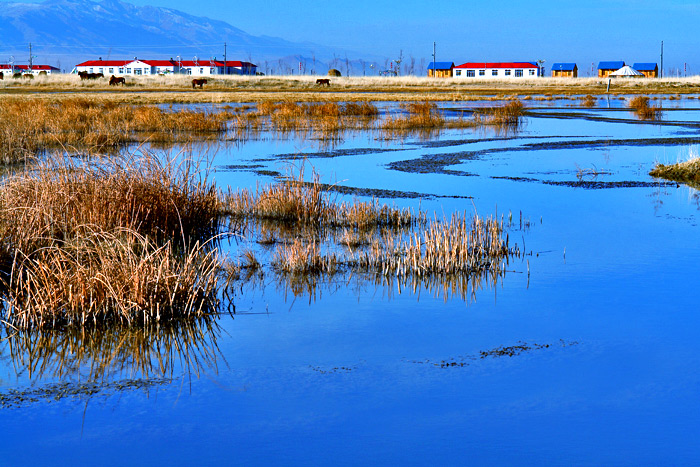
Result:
[[178, 89]]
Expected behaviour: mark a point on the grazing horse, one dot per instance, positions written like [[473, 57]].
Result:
[[2, 75], [28, 76], [198, 82], [113, 81], [17, 75], [322, 81], [85, 75]]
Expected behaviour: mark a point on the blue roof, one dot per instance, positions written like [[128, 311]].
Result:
[[441, 65], [644, 66], [611, 65], [563, 66]]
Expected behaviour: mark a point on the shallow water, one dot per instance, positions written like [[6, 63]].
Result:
[[601, 321]]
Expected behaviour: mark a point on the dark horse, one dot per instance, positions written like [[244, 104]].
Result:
[[2, 75], [86, 75], [323, 81], [113, 81], [198, 82]]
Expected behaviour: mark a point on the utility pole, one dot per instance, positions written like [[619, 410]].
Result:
[[661, 71], [434, 65], [225, 62], [30, 57]]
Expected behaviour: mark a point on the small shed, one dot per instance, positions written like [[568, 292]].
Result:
[[440, 69], [605, 68], [626, 72], [564, 70], [649, 70]]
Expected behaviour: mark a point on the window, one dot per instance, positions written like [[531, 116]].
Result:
[[90, 69], [494, 72], [532, 72], [137, 71], [111, 70], [518, 73], [482, 72], [458, 72], [128, 71], [201, 71], [507, 72], [121, 70], [146, 71], [470, 73], [211, 71], [102, 70]]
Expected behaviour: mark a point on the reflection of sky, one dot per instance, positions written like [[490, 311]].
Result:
[[334, 379]]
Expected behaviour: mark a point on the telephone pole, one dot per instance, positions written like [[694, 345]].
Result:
[[30, 57], [434, 65], [661, 71], [225, 62]]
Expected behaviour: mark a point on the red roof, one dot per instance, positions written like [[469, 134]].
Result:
[[105, 63], [160, 62], [482, 65], [6, 66]]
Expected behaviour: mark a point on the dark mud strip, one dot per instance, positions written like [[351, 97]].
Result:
[[380, 193], [333, 153], [462, 142], [257, 169], [17, 398], [591, 184], [598, 118], [505, 351], [436, 163]]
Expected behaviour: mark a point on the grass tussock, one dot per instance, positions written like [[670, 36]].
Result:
[[640, 104], [588, 101], [687, 171], [311, 203], [509, 114], [99, 242]]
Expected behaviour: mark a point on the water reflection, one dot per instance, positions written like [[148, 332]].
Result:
[[108, 353]]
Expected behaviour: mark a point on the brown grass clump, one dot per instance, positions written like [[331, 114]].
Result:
[[588, 101], [124, 242], [30, 126], [687, 172], [509, 114], [644, 111]]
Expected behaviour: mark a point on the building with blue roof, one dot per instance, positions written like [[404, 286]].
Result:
[[649, 70], [605, 68], [440, 69], [564, 70]]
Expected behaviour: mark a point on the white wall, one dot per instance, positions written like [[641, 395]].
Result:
[[493, 73]]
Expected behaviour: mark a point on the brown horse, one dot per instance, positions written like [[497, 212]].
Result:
[[113, 81], [323, 81], [2, 75], [198, 82], [85, 75]]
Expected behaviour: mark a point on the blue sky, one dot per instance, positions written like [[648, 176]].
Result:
[[584, 32], [577, 31]]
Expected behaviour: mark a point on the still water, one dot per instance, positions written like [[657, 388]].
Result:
[[585, 352]]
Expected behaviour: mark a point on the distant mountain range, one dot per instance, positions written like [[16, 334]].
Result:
[[66, 32]]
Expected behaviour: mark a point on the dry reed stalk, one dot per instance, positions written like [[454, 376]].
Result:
[[588, 101], [644, 111]]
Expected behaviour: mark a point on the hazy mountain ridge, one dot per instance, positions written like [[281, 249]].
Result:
[[70, 31]]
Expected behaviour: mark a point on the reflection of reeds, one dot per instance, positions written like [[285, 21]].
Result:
[[116, 351], [644, 111]]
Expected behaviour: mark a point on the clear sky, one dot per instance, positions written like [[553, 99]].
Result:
[[584, 32]]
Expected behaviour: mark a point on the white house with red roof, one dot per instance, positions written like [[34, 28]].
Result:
[[9, 69], [496, 70], [138, 67]]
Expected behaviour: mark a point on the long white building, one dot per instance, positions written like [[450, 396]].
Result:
[[495, 70], [9, 69], [138, 67]]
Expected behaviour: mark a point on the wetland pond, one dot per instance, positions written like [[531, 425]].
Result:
[[585, 351]]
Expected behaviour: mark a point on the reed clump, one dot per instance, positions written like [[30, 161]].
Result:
[[108, 242], [29, 126], [640, 104], [588, 101], [687, 171], [509, 114]]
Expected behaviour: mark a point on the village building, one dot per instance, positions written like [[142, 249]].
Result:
[[564, 70], [138, 67], [496, 70], [649, 70], [440, 69], [605, 68], [9, 69]]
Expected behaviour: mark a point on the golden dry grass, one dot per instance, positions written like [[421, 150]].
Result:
[[644, 111], [687, 171], [108, 242]]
